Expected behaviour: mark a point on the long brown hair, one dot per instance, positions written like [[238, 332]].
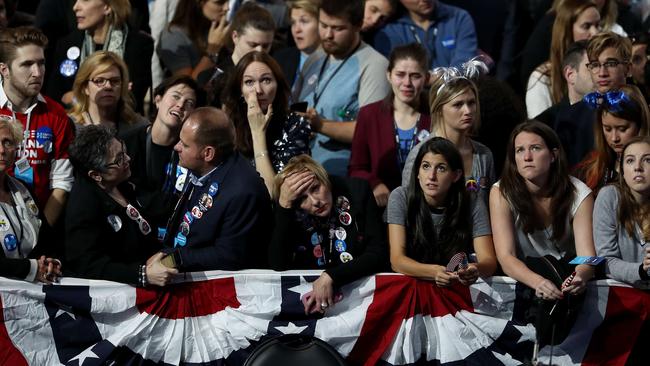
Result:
[[235, 105], [634, 110], [566, 14], [189, 17], [631, 212], [417, 53], [514, 189]]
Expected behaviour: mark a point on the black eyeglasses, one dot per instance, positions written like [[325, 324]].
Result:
[[101, 82], [594, 66], [120, 158]]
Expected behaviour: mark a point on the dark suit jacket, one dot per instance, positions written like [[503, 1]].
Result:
[[94, 248], [137, 56], [233, 233], [289, 60]]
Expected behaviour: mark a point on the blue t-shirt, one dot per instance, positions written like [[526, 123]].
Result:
[[337, 89], [404, 145]]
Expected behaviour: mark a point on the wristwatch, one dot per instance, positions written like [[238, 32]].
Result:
[[214, 57]]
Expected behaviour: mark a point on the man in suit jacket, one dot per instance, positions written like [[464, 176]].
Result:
[[223, 218]]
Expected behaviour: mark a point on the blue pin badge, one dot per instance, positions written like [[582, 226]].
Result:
[[68, 68], [214, 188], [10, 242]]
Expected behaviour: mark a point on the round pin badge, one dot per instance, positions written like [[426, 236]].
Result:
[[312, 79], [340, 233], [206, 201], [145, 228], [423, 134], [68, 68], [340, 246], [73, 53], [345, 218], [196, 212], [4, 224], [345, 257], [132, 212], [316, 239], [184, 228], [115, 222], [483, 182], [47, 146], [318, 252], [187, 217], [180, 182], [343, 203], [10, 242], [31, 205], [214, 188]]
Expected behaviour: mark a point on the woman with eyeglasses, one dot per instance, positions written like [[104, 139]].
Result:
[[23, 231], [101, 93], [102, 25], [433, 221], [620, 116], [455, 115], [108, 236]]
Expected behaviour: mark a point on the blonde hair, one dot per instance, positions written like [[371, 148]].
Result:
[[310, 6], [14, 126], [297, 164], [98, 63], [443, 92], [120, 12]]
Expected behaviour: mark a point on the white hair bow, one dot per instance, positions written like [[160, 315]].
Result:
[[470, 70]]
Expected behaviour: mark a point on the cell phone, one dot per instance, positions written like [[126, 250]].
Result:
[[299, 107]]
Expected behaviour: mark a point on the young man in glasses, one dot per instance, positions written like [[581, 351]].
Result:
[[608, 63], [42, 162]]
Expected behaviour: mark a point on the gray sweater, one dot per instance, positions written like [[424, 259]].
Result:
[[482, 167], [623, 253]]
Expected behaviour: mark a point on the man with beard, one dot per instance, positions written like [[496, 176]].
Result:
[[337, 81], [445, 31], [42, 162]]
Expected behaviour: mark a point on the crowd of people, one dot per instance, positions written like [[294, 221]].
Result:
[[345, 135]]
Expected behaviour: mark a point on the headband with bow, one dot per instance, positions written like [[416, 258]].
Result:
[[470, 70], [614, 101]]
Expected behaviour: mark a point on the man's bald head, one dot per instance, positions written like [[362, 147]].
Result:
[[212, 127]]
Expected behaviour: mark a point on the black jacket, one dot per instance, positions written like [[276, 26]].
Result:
[[97, 249], [291, 245], [137, 56], [232, 231]]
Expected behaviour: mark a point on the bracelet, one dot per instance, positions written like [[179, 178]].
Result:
[[142, 276], [214, 57], [261, 154]]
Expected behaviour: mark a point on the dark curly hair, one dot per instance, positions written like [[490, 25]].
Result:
[[89, 149]]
